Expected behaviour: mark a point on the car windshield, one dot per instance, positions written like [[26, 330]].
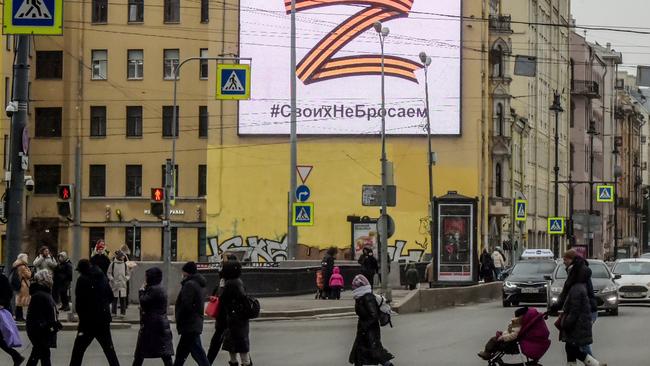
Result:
[[598, 270], [533, 268], [633, 268]]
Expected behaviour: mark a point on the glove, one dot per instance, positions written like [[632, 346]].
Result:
[[554, 308]]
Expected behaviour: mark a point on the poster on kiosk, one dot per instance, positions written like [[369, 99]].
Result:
[[455, 246]]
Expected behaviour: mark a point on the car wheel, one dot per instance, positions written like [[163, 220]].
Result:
[[613, 312], [506, 304]]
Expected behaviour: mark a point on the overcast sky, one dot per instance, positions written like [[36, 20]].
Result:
[[619, 13]]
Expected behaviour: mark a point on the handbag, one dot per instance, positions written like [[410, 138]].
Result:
[[9, 329], [212, 309], [559, 321]]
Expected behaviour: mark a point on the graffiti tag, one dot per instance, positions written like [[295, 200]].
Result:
[[256, 249]]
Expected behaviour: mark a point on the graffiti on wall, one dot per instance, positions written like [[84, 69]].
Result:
[[255, 249], [397, 252]]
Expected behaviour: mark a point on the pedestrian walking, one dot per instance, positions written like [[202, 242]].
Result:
[[24, 275], [118, 276], [499, 261], [487, 269], [336, 283], [62, 281], [189, 316], [412, 276], [42, 324], [232, 303], [575, 322], [369, 265], [155, 335], [327, 266], [367, 348], [93, 297], [5, 305], [99, 257], [220, 323], [44, 260], [428, 274]]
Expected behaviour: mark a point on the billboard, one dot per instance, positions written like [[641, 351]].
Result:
[[339, 66]]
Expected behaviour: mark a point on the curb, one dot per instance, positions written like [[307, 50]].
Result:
[[73, 326]]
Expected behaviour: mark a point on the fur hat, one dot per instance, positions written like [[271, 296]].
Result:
[[359, 281]]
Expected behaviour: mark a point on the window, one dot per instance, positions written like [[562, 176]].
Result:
[[499, 121], [572, 151], [133, 180], [132, 238], [205, 11], [497, 61], [172, 11], [203, 121], [170, 62], [100, 64], [174, 243], [49, 64], [135, 65], [175, 180], [97, 181], [136, 12], [48, 122], [203, 170], [202, 243], [498, 181], [47, 178], [100, 11], [134, 121], [204, 66], [95, 234], [97, 121], [167, 121]]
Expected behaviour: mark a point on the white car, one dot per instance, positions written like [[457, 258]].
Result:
[[634, 284]]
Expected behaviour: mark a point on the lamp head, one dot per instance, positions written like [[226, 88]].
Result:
[[385, 31], [377, 26], [426, 60]]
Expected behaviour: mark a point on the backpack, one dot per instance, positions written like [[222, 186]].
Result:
[[14, 279], [251, 307], [385, 311]]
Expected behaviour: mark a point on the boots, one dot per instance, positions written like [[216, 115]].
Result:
[[233, 363], [590, 361]]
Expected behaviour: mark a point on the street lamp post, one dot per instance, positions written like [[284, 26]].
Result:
[[383, 223], [557, 108], [591, 132], [426, 61]]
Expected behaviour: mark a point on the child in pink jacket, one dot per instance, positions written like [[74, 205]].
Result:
[[336, 284]]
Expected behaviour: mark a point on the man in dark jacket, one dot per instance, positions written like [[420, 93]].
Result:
[[189, 316], [62, 281], [369, 265], [93, 299], [327, 266], [5, 303], [42, 324], [99, 258]]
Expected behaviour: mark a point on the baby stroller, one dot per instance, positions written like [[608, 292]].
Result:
[[320, 285], [532, 342]]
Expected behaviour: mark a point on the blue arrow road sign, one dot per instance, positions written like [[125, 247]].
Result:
[[303, 193]]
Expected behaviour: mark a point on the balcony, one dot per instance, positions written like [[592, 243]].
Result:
[[501, 23], [589, 89]]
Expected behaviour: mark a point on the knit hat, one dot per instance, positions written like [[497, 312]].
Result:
[[154, 276], [100, 245], [359, 281], [521, 311], [190, 268], [43, 278]]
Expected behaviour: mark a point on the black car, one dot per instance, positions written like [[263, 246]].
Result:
[[526, 282]]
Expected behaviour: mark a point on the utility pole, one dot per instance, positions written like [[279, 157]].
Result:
[[18, 125], [557, 108], [572, 234], [591, 132], [292, 231], [167, 232], [426, 61]]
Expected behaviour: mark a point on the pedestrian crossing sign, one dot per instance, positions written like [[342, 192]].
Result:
[[605, 193], [520, 210], [233, 82], [36, 17], [302, 214], [556, 226]]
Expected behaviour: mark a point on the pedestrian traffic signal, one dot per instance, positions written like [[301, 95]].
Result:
[[65, 192], [64, 208], [157, 201]]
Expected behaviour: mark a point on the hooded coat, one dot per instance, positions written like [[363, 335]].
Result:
[[25, 275], [367, 348], [232, 302], [155, 335], [93, 298], [189, 307], [576, 323], [336, 280], [63, 274], [118, 277], [48, 263], [41, 324]]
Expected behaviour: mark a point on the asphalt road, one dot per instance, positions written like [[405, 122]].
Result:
[[449, 337]]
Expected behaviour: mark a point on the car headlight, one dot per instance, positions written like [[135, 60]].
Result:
[[610, 288], [509, 284], [556, 289]]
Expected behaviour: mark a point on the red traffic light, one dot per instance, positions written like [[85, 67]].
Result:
[[65, 192], [157, 194]]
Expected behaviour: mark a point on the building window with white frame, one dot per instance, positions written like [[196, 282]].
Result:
[[100, 64], [170, 62], [135, 65]]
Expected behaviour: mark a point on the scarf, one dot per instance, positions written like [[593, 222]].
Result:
[[360, 291]]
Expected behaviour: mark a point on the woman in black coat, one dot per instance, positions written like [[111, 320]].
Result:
[[231, 305], [42, 324], [155, 335], [327, 266], [487, 266], [575, 321], [367, 348]]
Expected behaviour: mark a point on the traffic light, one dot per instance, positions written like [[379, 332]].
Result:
[[64, 204], [157, 201]]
